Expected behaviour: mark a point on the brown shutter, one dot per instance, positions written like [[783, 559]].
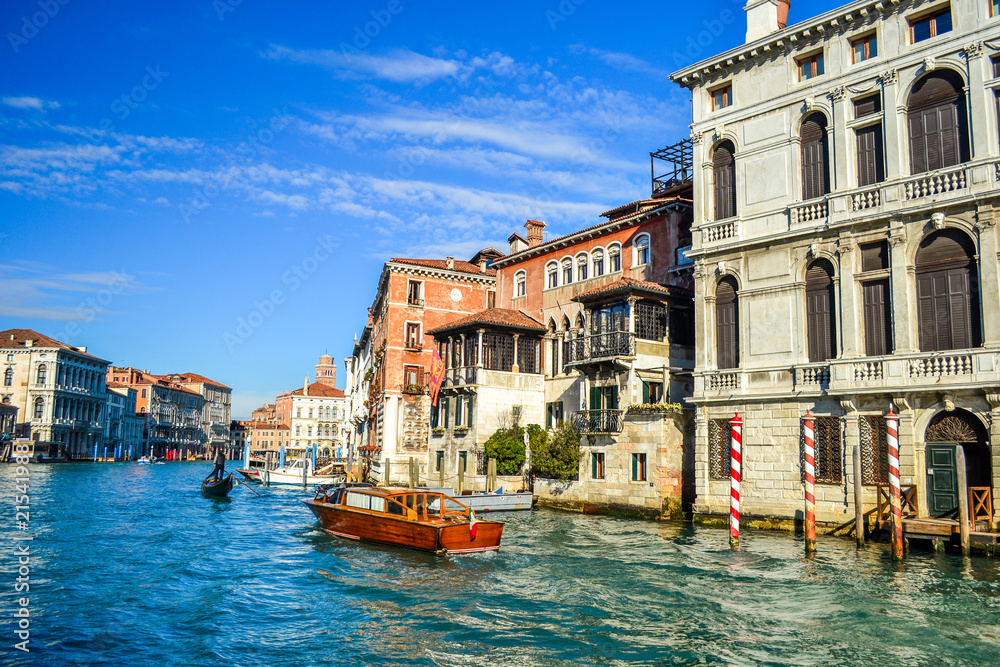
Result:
[[947, 295], [936, 119], [727, 324], [878, 321], [918, 145], [815, 181], [947, 121], [867, 106], [819, 312], [724, 169], [874, 256], [870, 151]]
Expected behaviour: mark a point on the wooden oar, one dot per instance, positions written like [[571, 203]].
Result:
[[248, 486]]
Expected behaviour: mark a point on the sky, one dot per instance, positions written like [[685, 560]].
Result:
[[214, 186]]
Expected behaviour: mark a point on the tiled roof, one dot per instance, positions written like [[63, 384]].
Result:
[[194, 378], [626, 284], [12, 338], [494, 316], [318, 389], [631, 207], [460, 265]]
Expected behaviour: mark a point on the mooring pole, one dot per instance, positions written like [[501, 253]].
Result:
[[892, 433], [810, 514], [461, 475], [385, 476], [963, 500], [412, 481], [734, 491], [859, 510]]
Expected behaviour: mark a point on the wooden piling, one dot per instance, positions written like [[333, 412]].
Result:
[[461, 475], [491, 475], [892, 435], [963, 500], [385, 475], [441, 475], [809, 424], [734, 483], [859, 510], [413, 481]]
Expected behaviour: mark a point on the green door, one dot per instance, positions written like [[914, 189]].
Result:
[[942, 480]]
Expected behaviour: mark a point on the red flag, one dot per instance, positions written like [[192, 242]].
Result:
[[472, 524], [437, 376]]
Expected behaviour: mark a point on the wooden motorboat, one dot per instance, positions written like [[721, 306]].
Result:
[[251, 474], [211, 488], [410, 518]]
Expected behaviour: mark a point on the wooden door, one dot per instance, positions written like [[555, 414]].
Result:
[[942, 479]]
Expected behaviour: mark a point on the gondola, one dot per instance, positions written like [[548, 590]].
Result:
[[219, 489]]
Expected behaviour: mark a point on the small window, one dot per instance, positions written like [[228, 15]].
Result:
[[39, 407], [310, 413], [638, 467], [719, 449], [413, 293], [552, 275], [810, 67], [491, 299], [930, 25], [411, 375], [298, 412], [553, 414], [874, 256], [144, 393], [614, 259], [864, 48], [582, 264], [867, 106], [42, 374], [520, 284], [642, 250], [652, 392], [438, 461], [412, 336], [722, 98], [598, 263], [8, 377], [597, 465], [994, 8], [567, 271]]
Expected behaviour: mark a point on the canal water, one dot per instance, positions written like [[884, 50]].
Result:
[[131, 566]]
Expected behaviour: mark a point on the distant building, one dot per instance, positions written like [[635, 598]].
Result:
[[315, 415], [216, 413], [359, 377], [122, 426], [173, 414], [58, 389]]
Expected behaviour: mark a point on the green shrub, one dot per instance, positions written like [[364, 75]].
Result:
[[556, 454], [507, 447]]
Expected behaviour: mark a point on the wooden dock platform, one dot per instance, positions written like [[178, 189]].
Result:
[[944, 529]]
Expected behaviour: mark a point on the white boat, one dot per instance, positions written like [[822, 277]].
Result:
[[292, 474], [146, 460], [498, 501]]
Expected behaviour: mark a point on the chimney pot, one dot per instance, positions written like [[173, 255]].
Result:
[[765, 17], [451, 263], [535, 233]]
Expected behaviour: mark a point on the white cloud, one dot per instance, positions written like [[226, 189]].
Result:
[[398, 66], [35, 103]]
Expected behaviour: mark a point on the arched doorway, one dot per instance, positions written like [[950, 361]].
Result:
[[947, 431]]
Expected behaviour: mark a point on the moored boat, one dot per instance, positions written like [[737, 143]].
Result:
[[412, 518], [496, 501], [293, 474], [211, 488]]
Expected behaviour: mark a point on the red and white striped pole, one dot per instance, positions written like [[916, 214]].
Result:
[[809, 425], [892, 433], [735, 470]]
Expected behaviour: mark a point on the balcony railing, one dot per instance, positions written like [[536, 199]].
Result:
[[810, 211], [411, 301], [601, 346], [814, 375], [721, 231], [598, 421]]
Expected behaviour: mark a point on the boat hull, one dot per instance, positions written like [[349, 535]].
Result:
[[434, 537], [219, 489], [291, 479]]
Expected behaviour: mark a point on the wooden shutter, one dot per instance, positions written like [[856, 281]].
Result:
[[645, 392], [595, 398], [819, 312], [593, 466], [874, 256], [724, 169], [445, 407], [727, 325], [936, 124], [815, 179], [947, 298], [878, 322], [871, 169]]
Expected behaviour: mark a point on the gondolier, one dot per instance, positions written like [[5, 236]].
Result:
[[220, 464]]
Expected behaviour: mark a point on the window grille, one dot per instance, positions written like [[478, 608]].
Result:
[[471, 342], [651, 321], [527, 351], [498, 351], [720, 439], [874, 450], [829, 450]]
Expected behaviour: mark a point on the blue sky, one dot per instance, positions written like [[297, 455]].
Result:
[[214, 186]]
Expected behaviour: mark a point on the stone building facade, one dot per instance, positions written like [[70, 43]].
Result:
[[845, 247], [123, 428], [173, 414], [59, 390], [217, 411]]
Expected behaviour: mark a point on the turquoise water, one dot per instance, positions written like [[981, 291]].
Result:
[[133, 567]]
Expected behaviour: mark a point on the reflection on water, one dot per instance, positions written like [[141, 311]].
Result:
[[135, 567]]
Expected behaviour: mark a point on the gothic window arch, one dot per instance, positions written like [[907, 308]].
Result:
[[727, 337]]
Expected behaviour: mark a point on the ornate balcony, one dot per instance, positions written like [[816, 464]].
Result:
[[600, 346], [598, 421]]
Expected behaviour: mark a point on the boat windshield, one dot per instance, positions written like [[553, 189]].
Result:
[[434, 504]]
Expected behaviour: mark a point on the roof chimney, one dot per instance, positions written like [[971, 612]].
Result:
[[765, 17], [534, 228], [305, 386], [451, 263], [482, 264], [29, 342]]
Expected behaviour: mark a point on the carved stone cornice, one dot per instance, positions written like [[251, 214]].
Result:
[[889, 77], [903, 403], [994, 400], [897, 235], [848, 405], [696, 138], [699, 268], [845, 246], [985, 219], [838, 93], [973, 51]]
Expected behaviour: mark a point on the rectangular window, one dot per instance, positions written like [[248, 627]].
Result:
[[438, 461], [615, 260], [460, 411], [864, 48], [930, 25], [652, 392], [995, 8], [681, 326], [638, 467], [567, 272], [411, 375], [491, 299], [871, 165], [598, 265], [445, 409], [413, 296], [553, 414], [412, 336], [722, 98], [874, 450], [581, 270], [553, 277], [720, 439], [829, 465], [463, 461], [597, 465], [810, 67]]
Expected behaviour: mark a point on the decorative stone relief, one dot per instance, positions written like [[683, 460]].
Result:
[[696, 138], [889, 77], [838, 93], [973, 51]]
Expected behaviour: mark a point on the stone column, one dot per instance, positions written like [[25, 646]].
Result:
[[479, 349], [899, 285], [989, 274], [837, 135], [893, 126], [994, 400], [981, 111], [462, 356], [515, 367], [850, 331]]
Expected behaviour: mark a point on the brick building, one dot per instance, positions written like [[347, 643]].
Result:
[[173, 414], [216, 413], [315, 415]]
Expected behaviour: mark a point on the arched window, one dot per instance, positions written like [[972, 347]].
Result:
[[937, 123], [820, 324], [727, 317], [567, 270], [552, 274], [520, 284], [724, 172], [582, 266], [598, 259], [8, 377], [947, 292], [641, 246], [614, 258], [815, 157], [42, 374], [142, 411], [39, 407]]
